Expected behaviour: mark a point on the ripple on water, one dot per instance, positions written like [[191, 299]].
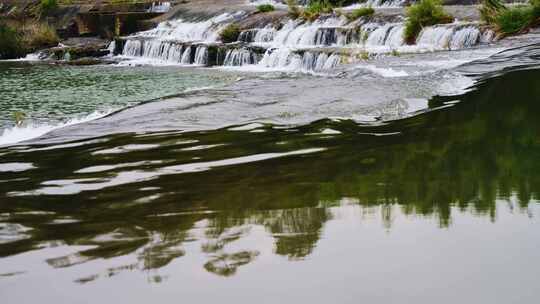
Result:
[[12, 232], [16, 167]]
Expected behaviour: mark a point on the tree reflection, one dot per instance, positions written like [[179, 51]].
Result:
[[484, 149]]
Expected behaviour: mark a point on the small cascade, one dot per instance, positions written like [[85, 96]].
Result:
[[239, 57], [465, 37], [259, 36], [281, 58], [155, 49], [201, 55], [395, 36], [111, 48], [186, 56], [166, 51], [308, 61], [132, 48], [319, 62], [184, 31], [319, 32], [438, 37], [449, 37], [160, 7], [378, 36]]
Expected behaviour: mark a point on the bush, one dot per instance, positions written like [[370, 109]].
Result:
[[230, 33], [490, 10], [47, 6], [265, 8], [421, 14], [510, 20], [10, 43], [513, 20], [316, 8], [360, 12]]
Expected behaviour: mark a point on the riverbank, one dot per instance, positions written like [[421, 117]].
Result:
[[108, 21]]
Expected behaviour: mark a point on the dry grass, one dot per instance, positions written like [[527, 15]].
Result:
[[20, 37], [37, 35]]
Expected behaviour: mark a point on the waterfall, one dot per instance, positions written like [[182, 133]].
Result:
[[309, 61], [239, 57], [281, 58], [201, 55], [160, 7], [264, 35], [184, 31], [449, 37], [395, 36], [186, 56], [155, 49], [437, 37], [292, 44], [465, 37], [132, 48], [295, 33], [378, 36], [111, 48]]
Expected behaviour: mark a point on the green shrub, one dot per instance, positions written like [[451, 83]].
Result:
[[10, 43], [47, 6], [230, 33], [265, 8], [360, 12], [510, 20], [316, 8], [535, 7], [490, 9], [421, 14], [515, 19]]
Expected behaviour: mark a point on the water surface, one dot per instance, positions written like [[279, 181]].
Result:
[[439, 205]]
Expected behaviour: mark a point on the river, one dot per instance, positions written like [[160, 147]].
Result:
[[411, 179]]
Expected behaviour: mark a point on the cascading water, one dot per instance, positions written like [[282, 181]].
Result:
[[160, 7], [239, 57], [293, 44], [171, 41], [201, 55], [449, 37]]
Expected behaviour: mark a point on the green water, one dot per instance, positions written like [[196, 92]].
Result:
[[48, 93]]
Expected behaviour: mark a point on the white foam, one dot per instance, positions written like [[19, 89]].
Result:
[[22, 133], [384, 72]]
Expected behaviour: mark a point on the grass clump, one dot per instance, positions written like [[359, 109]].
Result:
[[45, 7], [360, 12], [312, 11], [230, 33], [316, 8], [18, 38], [265, 8], [422, 14], [38, 35], [514, 20], [510, 20]]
